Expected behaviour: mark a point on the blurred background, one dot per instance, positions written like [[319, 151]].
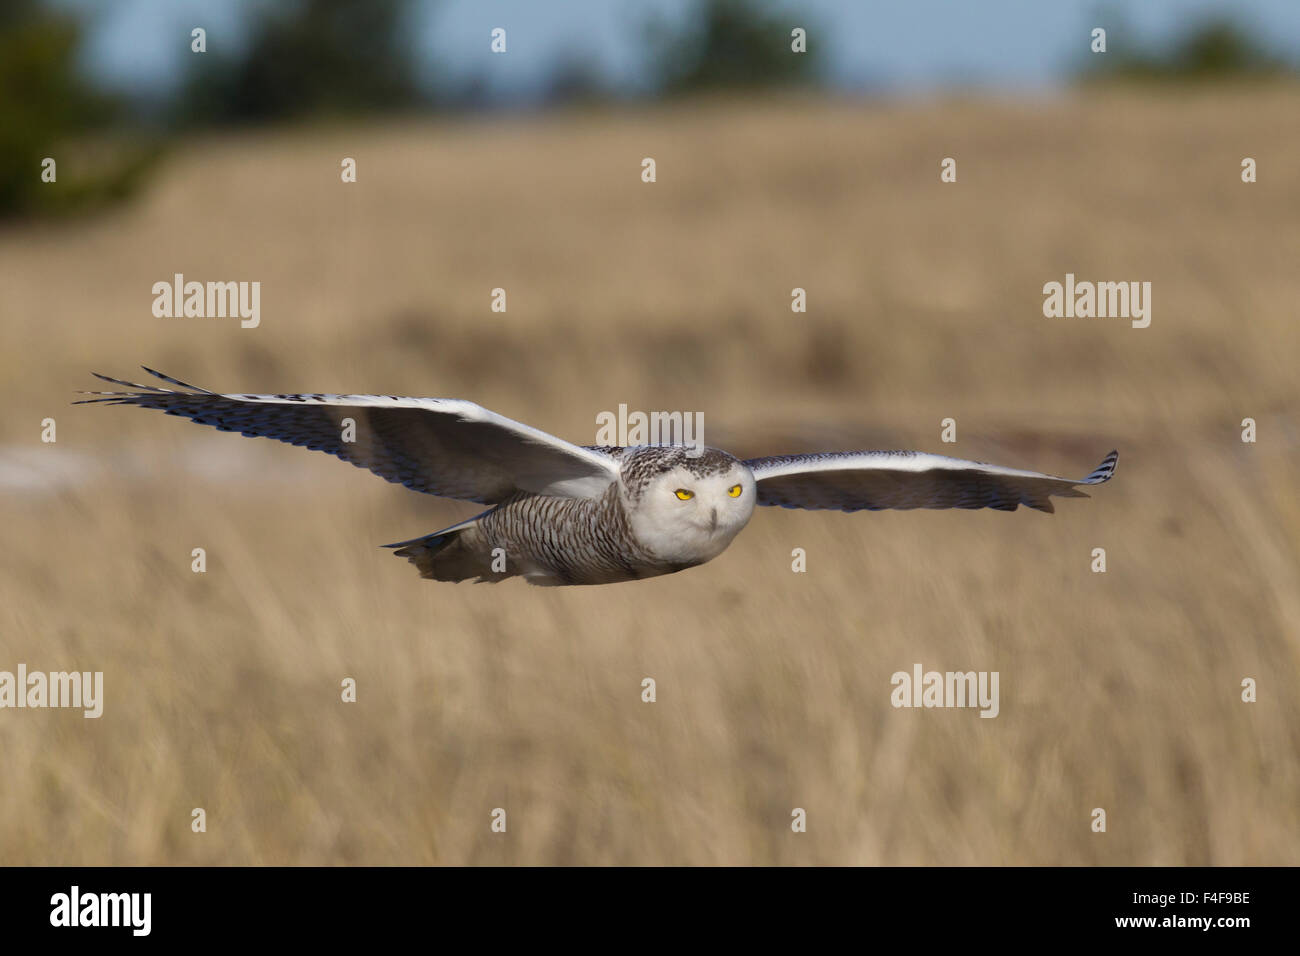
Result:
[[522, 170]]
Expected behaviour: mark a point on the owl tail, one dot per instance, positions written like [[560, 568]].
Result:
[[441, 557], [449, 555]]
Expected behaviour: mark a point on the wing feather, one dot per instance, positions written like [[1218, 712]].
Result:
[[438, 446], [876, 480]]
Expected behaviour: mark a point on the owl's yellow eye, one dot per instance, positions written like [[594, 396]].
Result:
[[685, 495], [734, 491]]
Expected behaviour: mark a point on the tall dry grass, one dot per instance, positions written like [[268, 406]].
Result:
[[1118, 691]]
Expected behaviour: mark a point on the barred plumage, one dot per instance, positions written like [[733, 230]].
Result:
[[569, 514]]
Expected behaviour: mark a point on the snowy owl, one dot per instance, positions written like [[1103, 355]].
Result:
[[571, 514]]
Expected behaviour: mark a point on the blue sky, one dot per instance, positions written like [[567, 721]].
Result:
[[901, 45]]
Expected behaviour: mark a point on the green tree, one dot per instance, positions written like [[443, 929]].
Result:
[[48, 110], [1211, 50], [308, 58], [730, 44]]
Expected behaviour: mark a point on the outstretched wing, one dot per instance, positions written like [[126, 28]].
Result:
[[440, 446], [875, 480]]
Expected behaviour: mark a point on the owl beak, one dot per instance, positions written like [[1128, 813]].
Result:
[[713, 520]]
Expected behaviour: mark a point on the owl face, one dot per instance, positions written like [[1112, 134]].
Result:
[[689, 515]]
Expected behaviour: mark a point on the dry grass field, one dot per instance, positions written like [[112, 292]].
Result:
[[1118, 690]]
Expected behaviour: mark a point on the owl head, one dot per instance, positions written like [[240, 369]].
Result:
[[687, 509]]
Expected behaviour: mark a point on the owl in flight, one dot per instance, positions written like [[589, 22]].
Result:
[[571, 514]]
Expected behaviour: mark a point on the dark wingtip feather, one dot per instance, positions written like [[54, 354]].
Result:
[[136, 385], [174, 381], [1104, 471]]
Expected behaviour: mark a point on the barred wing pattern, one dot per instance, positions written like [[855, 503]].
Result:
[[876, 480], [438, 446]]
